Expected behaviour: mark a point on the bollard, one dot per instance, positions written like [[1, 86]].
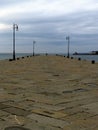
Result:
[[22, 57], [68, 57], [18, 58], [71, 57], [10, 59], [79, 58], [46, 54], [93, 61]]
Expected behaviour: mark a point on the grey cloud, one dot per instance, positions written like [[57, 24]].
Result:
[[52, 30]]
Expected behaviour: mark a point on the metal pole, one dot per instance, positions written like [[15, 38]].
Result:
[[33, 48], [68, 38], [68, 46], [13, 41], [15, 26]]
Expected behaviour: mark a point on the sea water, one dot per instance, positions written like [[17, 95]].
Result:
[[87, 57], [4, 56]]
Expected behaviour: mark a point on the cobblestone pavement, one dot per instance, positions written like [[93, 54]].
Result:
[[48, 93]]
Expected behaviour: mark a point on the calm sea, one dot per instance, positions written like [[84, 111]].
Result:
[[4, 56], [87, 57]]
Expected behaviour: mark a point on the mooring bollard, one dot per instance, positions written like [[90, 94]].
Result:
[[93, 61], [68, 57], [18, 58], [46, 54], [10, 59], [79, 58]]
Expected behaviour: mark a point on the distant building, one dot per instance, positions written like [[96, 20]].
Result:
[[90, 53], [94, 52], [76, 53]]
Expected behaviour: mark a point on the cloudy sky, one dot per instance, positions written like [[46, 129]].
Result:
[[48, 22]]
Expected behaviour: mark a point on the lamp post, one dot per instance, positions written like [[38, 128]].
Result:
[[68, 38], [15, 27], [33, 47]]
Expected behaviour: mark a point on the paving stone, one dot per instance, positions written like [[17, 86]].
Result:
[[13, 120], [16, 128], [88, 124], [17, 111], [42, 99], [3, 106], [48, 107], [78, 116], [3, 113], [2, 124], [47, 120], [52, 114], [35, 125], [92, 107], [72, 99]]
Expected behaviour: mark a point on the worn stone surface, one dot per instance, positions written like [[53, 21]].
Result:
[[16, 128], [48, 93]]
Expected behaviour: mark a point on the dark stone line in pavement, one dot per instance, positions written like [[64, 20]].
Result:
[[80, 90], [75, 90], [56, 75], [16, 128], [69, 91], [3, 106], [50, 93]]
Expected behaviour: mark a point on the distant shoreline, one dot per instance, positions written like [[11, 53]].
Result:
[[85, 54], [90, 53]]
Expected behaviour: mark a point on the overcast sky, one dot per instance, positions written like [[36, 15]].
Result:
[[48, 22]]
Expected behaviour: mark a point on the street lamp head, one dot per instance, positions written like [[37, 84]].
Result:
[[16, 27], [34, 42], [67, 38]]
